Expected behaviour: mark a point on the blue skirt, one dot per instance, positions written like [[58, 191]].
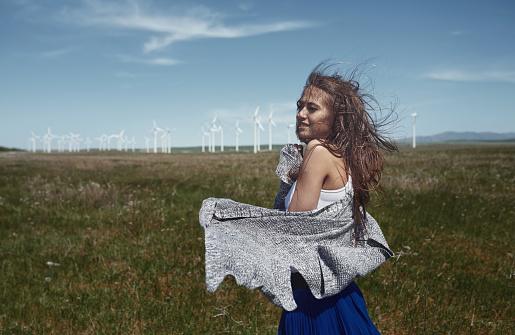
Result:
[[343, 313]]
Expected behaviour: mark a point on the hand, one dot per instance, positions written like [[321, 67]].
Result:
[[300, 149]]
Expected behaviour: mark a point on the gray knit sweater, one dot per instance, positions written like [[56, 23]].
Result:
[[259, 246]]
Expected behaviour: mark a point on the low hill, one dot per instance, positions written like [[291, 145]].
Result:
[[451, 136]]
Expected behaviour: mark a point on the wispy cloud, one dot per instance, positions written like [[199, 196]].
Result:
[[123, 74], [150, 61], [195, 23], [459, 75], [56, 53]]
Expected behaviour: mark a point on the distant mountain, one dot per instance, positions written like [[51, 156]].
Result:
[[451, 136]]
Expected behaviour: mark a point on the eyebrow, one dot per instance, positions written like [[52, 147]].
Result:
[[303, 102]]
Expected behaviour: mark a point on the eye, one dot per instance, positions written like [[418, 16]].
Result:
[[312, 108], [299, 106]]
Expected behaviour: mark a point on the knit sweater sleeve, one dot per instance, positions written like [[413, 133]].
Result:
[[290, 162]]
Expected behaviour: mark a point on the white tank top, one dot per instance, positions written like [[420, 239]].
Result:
[[327, 197]]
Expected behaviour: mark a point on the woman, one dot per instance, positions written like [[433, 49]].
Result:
[[304, 259], [342, 154]]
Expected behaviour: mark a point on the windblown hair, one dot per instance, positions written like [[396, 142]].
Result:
[[356, 135]]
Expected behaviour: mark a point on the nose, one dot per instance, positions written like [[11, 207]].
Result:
[[301, 114]]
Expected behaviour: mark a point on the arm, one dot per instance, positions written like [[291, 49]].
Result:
[[315, 169]]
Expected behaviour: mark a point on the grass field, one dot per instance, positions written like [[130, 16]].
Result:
[[110, 243]]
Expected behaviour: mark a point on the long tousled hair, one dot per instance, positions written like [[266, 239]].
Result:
[[356, 135]]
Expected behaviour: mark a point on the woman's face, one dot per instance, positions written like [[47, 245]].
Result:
[[314, 119]]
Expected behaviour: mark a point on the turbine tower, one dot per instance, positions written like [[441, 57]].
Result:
[[414, 115], [155, 131], [88, 142], [204, 133], [270, 124], [100, 142], [74, 142], [257, 124], [103, 141], [164, 144], [125, 142], [109, 137], [147, 143], [33, 142], [169, 140], [221, 130], [213, 130], [238, 131], [119, 142], [132, 142], [47, 141], [260, 127]]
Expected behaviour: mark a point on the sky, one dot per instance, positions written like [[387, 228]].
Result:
[[99, 67]]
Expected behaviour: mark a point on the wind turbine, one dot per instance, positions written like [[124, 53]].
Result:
[[70, 142], [167, 137], [203, 134], [109, 137], [257, 124], [213, 130], [288, 130], [77, 141], [125, 141], [119, 141], [155, 131], [102, 142], [260, 127], [133, 142], [238, 131], [74, 142], [47, 140], [270, 124], [221, 130], [164, 146], [88, 142], [414, 115], [44, 141], [208, 134], [33, 141], [60, 143], [147, 143]]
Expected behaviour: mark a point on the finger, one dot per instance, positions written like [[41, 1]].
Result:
[[299, 149]]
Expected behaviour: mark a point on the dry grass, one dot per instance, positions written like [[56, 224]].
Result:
[[123, 229]]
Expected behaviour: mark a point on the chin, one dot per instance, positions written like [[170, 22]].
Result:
[[304, 139]]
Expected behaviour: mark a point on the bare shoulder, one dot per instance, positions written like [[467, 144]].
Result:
[[315, 149], [322, 161], [317, 156]]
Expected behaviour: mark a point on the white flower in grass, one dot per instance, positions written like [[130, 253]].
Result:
[[52, 264]]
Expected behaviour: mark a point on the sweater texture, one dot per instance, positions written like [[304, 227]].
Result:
[[259, 246]]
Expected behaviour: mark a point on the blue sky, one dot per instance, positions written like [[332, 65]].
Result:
[[95, 67]]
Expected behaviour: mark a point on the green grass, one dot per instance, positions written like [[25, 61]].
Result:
[[123, 229]]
